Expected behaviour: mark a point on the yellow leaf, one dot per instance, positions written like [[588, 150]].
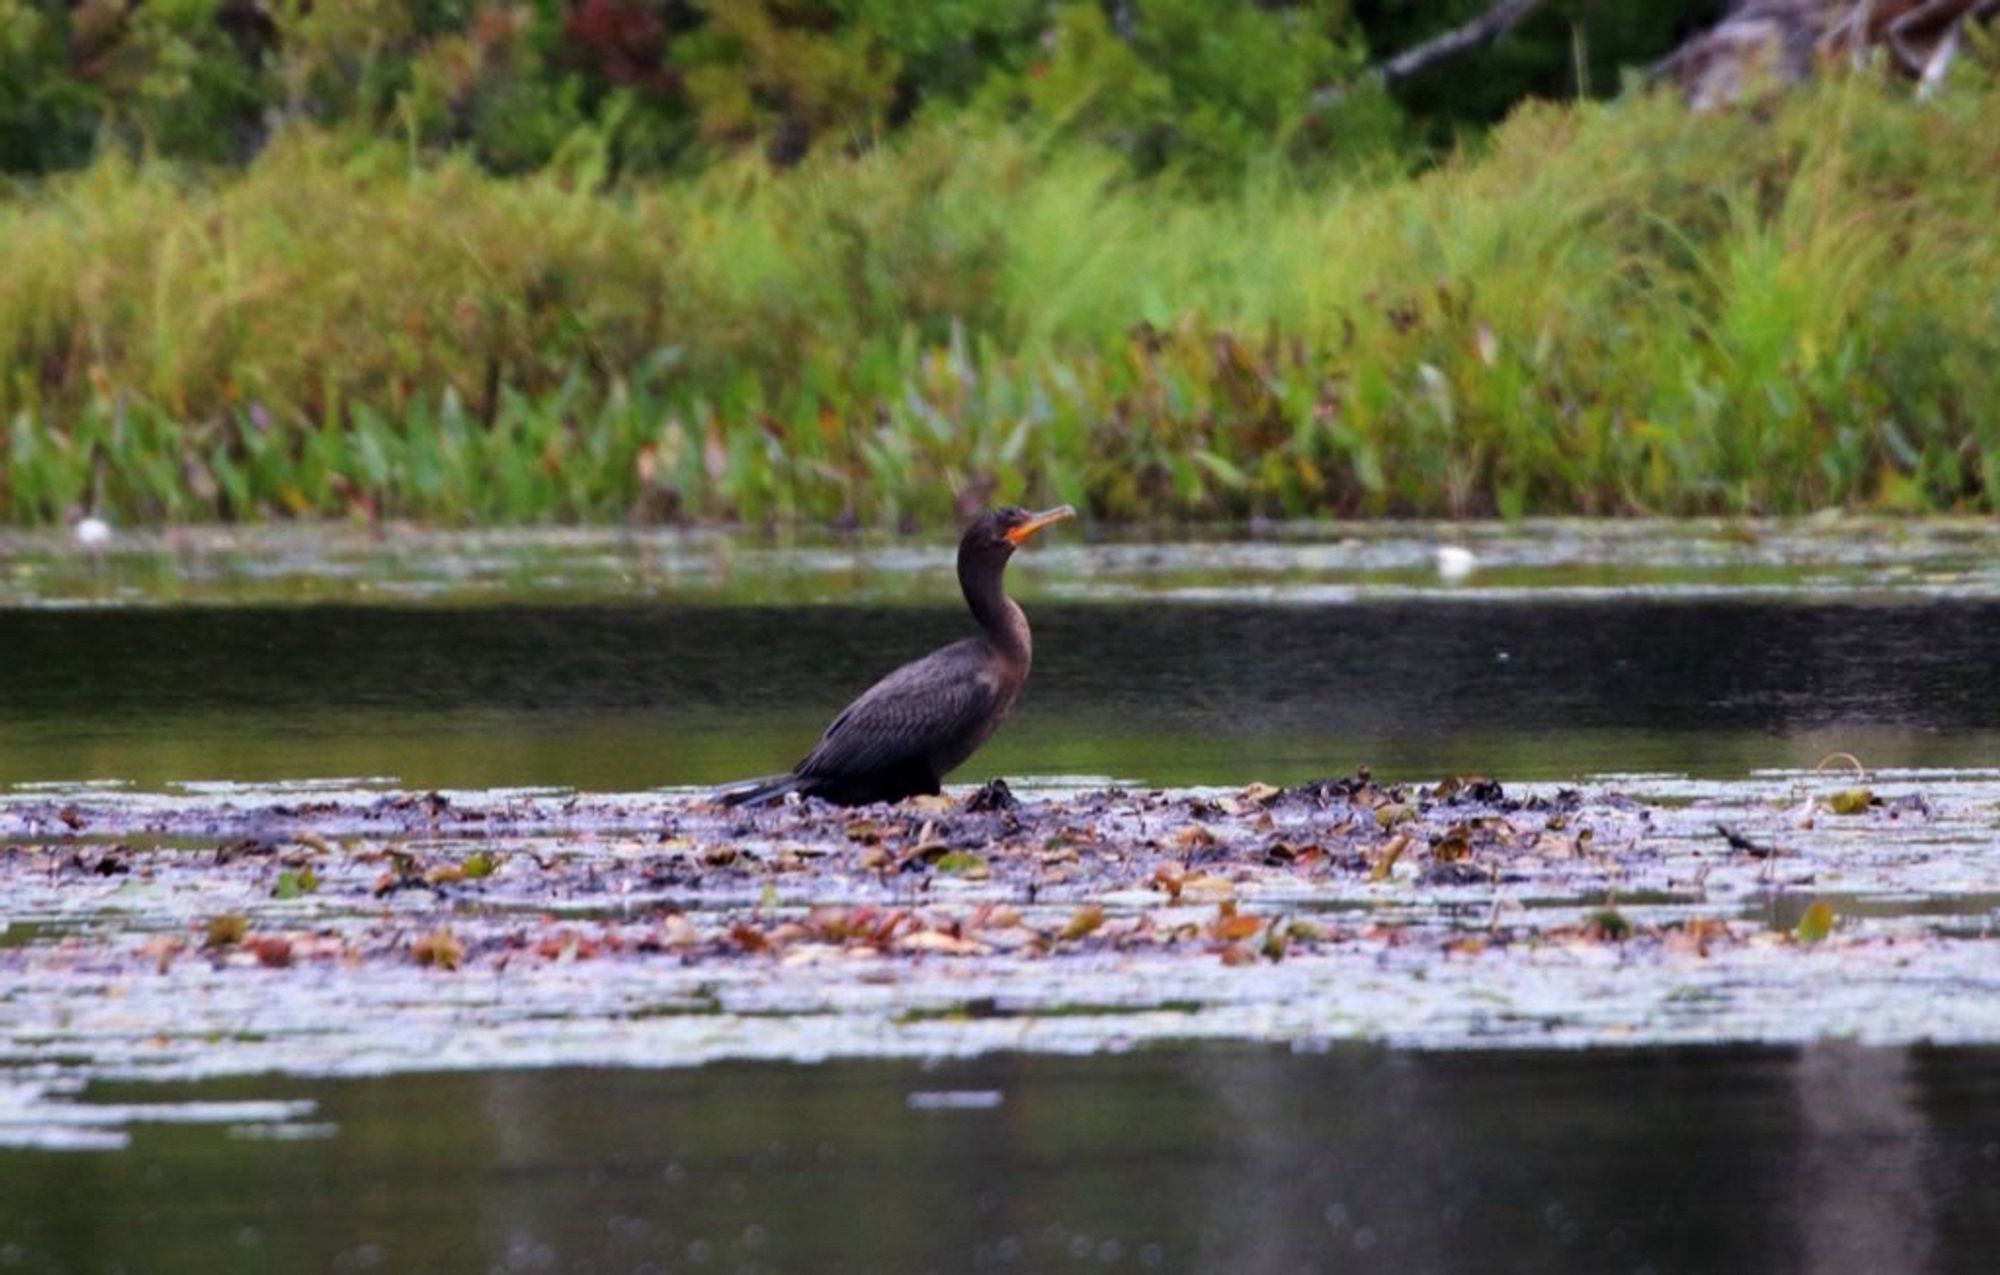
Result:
[[1086, 922], [1816, 925], [1385, 862]]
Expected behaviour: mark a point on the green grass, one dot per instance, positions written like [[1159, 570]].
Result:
[[1612, 309]]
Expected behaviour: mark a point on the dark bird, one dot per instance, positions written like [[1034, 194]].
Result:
[[915, 726]]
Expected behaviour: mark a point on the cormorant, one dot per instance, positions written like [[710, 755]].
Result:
[[912, 728]]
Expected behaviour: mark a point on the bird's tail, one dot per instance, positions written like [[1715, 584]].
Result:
[[758, 792]]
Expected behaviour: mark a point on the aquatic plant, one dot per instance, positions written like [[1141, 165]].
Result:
[[1610, 309]]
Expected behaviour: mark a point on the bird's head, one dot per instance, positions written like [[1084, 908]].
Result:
[[1001, 531]]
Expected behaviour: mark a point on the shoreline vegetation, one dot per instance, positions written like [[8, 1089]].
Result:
[[1601, 309]]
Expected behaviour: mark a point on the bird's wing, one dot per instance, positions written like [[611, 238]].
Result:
[[912, 713]]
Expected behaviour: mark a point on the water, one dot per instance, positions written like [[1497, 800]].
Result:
[[1826, 1159], [613, 664], [620, 698]]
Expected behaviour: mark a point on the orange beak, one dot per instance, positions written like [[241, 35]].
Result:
[[1047, 518]]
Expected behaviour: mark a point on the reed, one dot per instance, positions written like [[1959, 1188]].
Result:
[[1609, 309]]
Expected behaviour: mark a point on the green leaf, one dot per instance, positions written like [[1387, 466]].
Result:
[[964, 863], [291, 884], [1816, 925]]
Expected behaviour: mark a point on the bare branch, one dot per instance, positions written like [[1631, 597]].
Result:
[[1481, 31]]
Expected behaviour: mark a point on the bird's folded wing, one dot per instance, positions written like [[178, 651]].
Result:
[[913, 713]]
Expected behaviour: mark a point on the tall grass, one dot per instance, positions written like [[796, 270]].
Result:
[[1611, 309]]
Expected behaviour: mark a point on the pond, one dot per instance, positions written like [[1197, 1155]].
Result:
[[628, 663], [564, 1016], [1829, 1158]]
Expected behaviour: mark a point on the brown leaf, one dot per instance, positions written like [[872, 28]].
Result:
[[1453, 845], [749, 937], [1207, 888], [944, 944], [1193, 837], [1231, 928], [440, 949], [271, 951], [1260, 794]]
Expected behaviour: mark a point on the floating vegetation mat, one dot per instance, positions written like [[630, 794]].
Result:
[[331, 931]]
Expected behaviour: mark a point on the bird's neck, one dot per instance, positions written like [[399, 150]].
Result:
[[1005, 624]]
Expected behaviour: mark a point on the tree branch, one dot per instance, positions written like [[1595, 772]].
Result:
[[1481, 31]]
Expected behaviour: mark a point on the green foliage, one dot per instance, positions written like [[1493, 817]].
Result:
[[1611, 309], [1209, 88], [1194, 85]]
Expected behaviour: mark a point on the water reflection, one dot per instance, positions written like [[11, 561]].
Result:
[[635, 697], [1830, 1158]]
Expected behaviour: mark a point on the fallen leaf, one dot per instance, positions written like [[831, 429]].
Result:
[[1453, 845], [925, 852], [1260, 794], [226, 930], [946, 944], [1193, 837], [1387, 817], [440, 949], [272, 951], [1274, 943], [1385, 859], [292, 885], [1207, 888], [1816, 926], [1231, 928], [749, 937], [1085, 922], [964, 863]]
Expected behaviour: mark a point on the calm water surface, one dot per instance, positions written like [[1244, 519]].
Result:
[[661, 693], [1827, 1159]]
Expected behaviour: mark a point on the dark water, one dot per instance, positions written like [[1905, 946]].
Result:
[[1827, 1159], [644, 695]]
